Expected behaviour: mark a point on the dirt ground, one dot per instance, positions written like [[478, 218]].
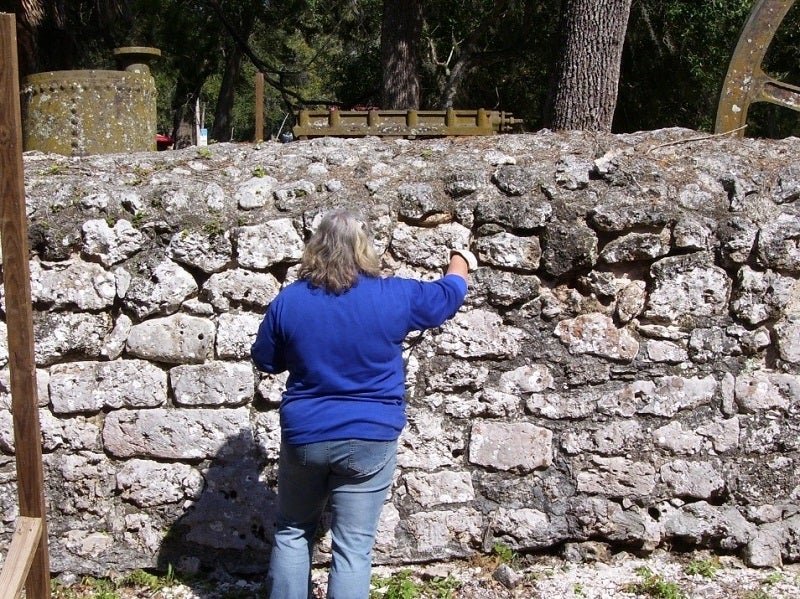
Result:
[[661, 575]]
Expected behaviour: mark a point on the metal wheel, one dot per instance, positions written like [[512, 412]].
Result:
[[745, 82]]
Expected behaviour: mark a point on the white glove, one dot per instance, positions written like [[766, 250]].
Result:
[[469, 257]]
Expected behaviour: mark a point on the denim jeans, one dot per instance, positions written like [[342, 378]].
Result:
[[354, 476]]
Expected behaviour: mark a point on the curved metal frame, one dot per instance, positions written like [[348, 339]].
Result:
[[745, 82]]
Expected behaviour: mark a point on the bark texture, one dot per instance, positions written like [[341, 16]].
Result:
[[401, 33], [227, 91], [587, 75]]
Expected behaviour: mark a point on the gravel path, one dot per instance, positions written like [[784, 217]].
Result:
[[662, 575]]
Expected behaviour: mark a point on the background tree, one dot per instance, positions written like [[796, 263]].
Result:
[[238, 21], [496, 54], [674, 63], [490, 54], [56, 35], [401, 32], [587, 73], [190, 37], [308, 57]]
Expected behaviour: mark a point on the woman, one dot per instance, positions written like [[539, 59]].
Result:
[[339, 330]]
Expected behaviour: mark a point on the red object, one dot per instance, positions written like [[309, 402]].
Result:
[[164, 142]]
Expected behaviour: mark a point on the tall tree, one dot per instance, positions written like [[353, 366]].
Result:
[[587, 75], [238, 22], [693, 42], [484, 53], [221, 131], [401, 32], [56, 35]]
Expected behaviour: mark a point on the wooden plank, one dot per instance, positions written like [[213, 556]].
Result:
[[259, 134], [19, 311], [20, 556]]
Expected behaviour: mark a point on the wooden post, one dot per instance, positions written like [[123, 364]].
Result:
[[259, 133], [19, 312]]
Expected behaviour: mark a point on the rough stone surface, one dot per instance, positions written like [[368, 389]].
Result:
[[520, 446], [625, 368]]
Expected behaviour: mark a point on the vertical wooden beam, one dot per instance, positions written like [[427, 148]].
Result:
[[259, 107], [19, 312]]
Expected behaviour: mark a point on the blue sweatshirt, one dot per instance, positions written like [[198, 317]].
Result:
[[344, 353]]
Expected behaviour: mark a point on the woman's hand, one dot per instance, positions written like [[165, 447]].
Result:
[[461, 263]]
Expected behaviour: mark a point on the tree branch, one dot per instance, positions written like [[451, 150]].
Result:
[[286, 93]]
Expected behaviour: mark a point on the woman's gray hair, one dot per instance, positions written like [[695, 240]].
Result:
[[339, 251]]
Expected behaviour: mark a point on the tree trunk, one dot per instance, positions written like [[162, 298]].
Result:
[[401, 32], [587, 76], [184, 120], [222, 112]]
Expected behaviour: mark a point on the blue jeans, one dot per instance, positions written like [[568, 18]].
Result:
[[354, 476]]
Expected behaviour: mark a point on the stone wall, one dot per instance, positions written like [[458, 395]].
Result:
[[624, 369]]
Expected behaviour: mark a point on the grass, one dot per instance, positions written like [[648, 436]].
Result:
[[214, 227], [137, 220], [706, 568], [410, 583], [654, 585], [141, 584], [108, 588], [403, 585], [153, 582], [398, 586], [505, 554], [89, 587]]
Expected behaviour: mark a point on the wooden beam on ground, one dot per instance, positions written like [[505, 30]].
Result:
[[19, 311], [20, 556]]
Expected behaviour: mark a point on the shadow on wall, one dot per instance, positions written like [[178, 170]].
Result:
[[229, 529]]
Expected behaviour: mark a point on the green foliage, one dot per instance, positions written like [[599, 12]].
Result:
[[140, 578], [138, 219], [474, 53], [442, 588], [108, 588], [403, 585], [653, 585], [692, 42], [509, 50], [505, 554], [56, 169], [398, 586], [89, 588], [214, 227], [706, 568], [139, 174]]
